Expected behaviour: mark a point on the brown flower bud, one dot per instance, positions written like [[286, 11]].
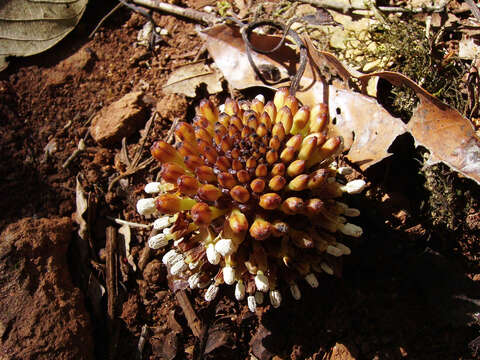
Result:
[[185, 149], [300, 120], [261, 170], [237, 221], [226, 180], [231, 107], [201, 214], [201, 122], [257, 185], [205, 174], [279, 131], [292, 103], [261, 229], [288, 154], [184, 132], [223, 163], [280, 97], [317, 178], [171, 172], [257, 106], [203, 134], [280, 228], [262, 130], [209, 192], [240, 194], [266, 120], [251, 163], [208, 152], [278, 169], [252, 122], [193, 161], [187, 185], [236, 122], [277, 183], [275, 143], [171, 204], [307, 149], [164, 152], [295, 142], [296, 168], [318, 118], [284, 116], [225, 144], [270, 201], [224, 119], [207, 109], [292, 205], [299, 183], [237, 165], [243, 176], [314, 206], [271, 156]]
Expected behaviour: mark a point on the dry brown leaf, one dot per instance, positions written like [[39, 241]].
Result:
[[30, 27], [367, 128], [186, 79]]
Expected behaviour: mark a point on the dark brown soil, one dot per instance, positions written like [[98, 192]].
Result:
[[409, 289]]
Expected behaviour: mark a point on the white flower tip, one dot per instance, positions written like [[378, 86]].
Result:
[[239, 291], [351, 230], [221, 108], [194, 280], [178, 267], [326, 268], [261, 282], [146, 206], [295, 290], [169, 256], [213, 256], [228, 275], [335, 251], [345, 170], [355, 186], [161, 223], [351, 212], [312, 280], [224, 247], [153, 188], [252, 304], [345, 249], [211, 293], [259, 297], [157, 241], [208, 9], [275, 298], [260, 98]]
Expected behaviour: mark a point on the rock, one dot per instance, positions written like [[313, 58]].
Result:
[[119, 119], [257, 345], [166, 347], [172, 106], [341, 352], [42, 315]]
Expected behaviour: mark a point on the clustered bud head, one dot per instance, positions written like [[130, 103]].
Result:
[[247, 194]]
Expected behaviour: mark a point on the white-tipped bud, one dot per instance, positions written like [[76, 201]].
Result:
[[344, 170], [252, 304], [224, 247], [146, 207], [177, 242], [169, 256], [239, 290], [259, 297], [213, 256], [178, 267], [354, 187], [194, 280], [193, 265], [221, 108], [312, 280], [228, 275], [345, 249], [211, 293], [350, 230], [332, 250], [157, 241], [261, 282], [153, 188], [162, 223], [275, 298], [167, 231], [326, 268], [351, 212], [260, 98], [333, 165], [295, 290]]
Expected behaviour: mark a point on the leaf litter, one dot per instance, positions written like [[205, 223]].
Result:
[[368, 129]]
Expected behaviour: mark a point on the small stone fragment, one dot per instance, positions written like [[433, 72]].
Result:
[[154, 272], [119, 119]]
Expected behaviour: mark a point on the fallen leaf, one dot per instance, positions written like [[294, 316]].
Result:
[[127, 238], [367, 128], [30, 27], [186, 79], [82, 207]]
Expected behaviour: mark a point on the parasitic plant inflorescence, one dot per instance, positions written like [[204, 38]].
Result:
[[247, 198]]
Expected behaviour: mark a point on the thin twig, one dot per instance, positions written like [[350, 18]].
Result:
[[199, 16], [111, 282], [118, 6], [342, 6], [80, 148], [196, 325], [129, 223]]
